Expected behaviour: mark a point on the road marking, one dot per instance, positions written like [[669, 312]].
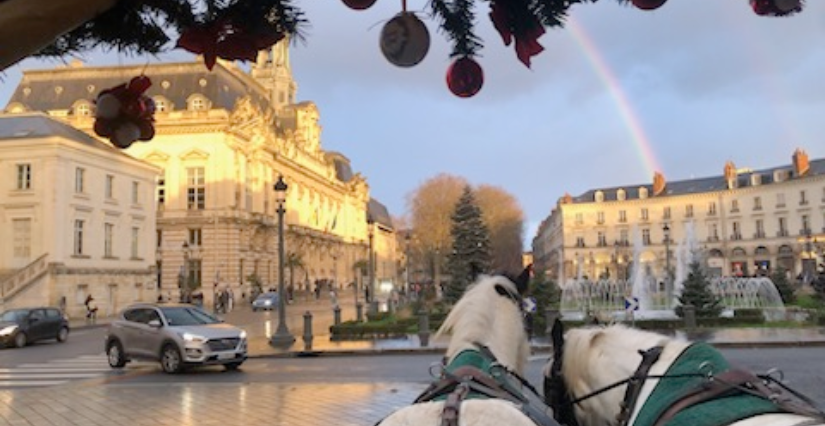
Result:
[[54, 372], [15, 383]]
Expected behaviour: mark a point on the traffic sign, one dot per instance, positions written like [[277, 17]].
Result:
[[631, 304], [529, 304]]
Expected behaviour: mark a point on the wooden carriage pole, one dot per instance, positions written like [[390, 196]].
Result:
[[27, 26]]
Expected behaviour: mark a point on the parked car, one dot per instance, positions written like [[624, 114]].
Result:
[[19, 327], [177, 335], [266, 301]]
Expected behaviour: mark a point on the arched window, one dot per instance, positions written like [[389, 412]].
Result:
[[162, 104], [599, 196], [642, 192], [785, 250], [198, 103], [716, 253], [761, 251], [82, 109], [738, 252]]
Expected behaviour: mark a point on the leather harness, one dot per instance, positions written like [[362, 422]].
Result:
[[472, 382]]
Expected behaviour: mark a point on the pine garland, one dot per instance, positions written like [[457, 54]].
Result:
[[139, 27]]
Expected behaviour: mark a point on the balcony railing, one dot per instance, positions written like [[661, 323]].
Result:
[[758, 234], [782, 233], [736, 237]]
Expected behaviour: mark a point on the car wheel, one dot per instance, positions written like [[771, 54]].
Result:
[[20, 340], [170, 360], [115, 355], [232, 366], [63, 334], [254, 309]]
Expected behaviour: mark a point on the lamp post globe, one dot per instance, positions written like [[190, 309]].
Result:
[[282, 336]]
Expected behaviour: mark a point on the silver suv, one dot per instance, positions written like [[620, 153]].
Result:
[[176, 335]]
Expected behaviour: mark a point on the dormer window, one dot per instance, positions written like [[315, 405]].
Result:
[[162, 104], [198, 103], [599, 196], [642, 193], [756, 179], [82, 109]]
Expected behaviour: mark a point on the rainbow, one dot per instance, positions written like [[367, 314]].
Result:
[[611, 82]]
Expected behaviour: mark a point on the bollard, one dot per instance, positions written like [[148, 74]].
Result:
[[308, 331], [359, 312], [336, 315], [423, 327], [690, 316], [550, 315]]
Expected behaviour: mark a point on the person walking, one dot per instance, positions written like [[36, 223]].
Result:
[[91, 309]]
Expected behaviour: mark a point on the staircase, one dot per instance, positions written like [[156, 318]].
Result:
[[17, 281]]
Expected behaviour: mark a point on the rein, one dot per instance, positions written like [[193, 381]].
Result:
[[468, 381]]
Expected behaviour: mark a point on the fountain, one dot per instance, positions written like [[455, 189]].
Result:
[[607, 297]]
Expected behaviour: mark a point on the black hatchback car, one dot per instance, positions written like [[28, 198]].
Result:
[[19, 327]]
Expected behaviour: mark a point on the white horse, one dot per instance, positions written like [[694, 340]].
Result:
[[487, 328], [620, 376]]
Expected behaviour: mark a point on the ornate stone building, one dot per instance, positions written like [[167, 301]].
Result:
[[77, 219], [223, 139], [746, 222]]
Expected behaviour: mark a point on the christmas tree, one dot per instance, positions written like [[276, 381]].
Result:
[[471, 246], [696, 292], [783, 286], [547, 293]]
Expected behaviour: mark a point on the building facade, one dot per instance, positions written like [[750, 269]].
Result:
[[745, 222], [223, 138], [77, 219]]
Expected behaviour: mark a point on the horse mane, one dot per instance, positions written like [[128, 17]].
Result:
[[484, 316], [596, 357]]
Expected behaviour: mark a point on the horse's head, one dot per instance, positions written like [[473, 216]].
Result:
[[489, 313], [588, 360]]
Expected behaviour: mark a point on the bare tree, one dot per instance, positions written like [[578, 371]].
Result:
[[430, 206], [505, 220]]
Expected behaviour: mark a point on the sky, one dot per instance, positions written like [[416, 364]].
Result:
[[617, 94]]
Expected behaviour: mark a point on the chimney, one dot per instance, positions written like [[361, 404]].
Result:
[[731, 175], [659, 183], [567, 199], [800, 162]]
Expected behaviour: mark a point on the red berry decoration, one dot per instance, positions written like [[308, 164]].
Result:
[[359, 4], [124, 114], [648, 4], [465, 77]]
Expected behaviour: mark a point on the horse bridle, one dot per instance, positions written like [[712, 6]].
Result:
[[559, 399]]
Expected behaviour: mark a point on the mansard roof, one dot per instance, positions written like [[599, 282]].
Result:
[[39, 125], [706, 184], [60, 88], [379, 214]]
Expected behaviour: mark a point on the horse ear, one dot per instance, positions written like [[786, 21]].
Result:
[[522, 282], [557, 335]]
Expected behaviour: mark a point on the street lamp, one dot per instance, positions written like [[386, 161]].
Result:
[[282, 337], [668, 280], [407, 248], [185, 281], [371, 276]]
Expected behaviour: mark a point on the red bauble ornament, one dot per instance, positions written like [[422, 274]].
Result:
[[648, 4], [359, 4], [465, 77]]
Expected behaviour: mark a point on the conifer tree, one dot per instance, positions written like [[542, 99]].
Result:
[[471, 246], [783, 286], [696, 292]]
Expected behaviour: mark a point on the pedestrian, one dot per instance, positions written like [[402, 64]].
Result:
[[91, 309], [333, 297]]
